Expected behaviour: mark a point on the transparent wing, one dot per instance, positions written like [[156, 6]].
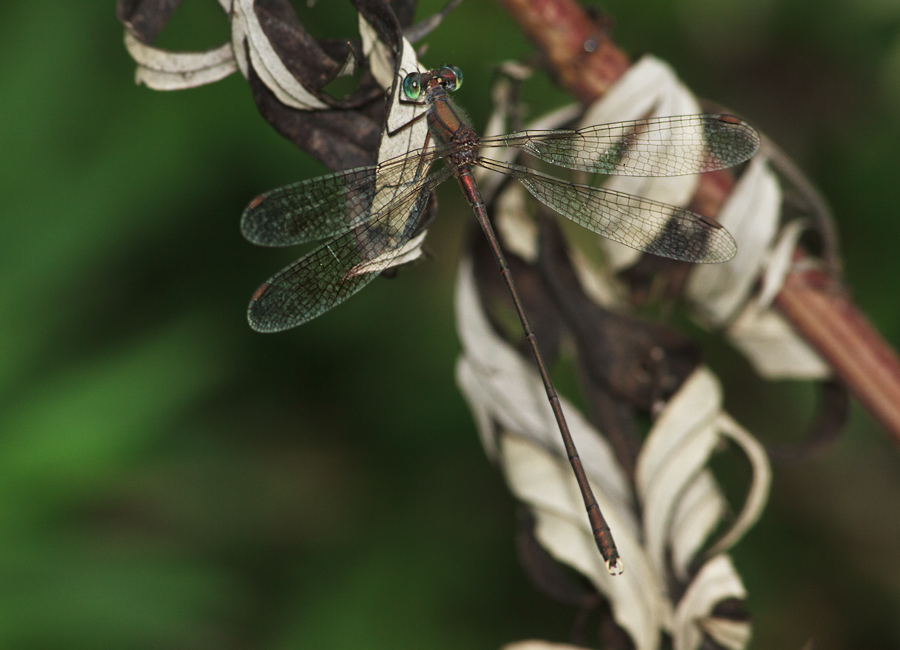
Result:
[[340, 267], [664, 146], [334, 204], [638, 223]]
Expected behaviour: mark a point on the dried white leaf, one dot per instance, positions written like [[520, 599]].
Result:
[[505, 390], [728, 633], [539, 645], [681, 503], [266, 62], [164, 70], [716, 581], [403, 131], [511, 389], [514, 224], [639, 92], [751, 216], [649, 88], [544, 481], [677, 449], [780, 262], [774, 348], [678, 494], [379, 54], [697, 513], [764, 335], [513, 221], [597, 282], [405, 128], [410, 251], [759, 486], [469, 381]]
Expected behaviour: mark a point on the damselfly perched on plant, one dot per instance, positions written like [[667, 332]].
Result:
[[368, 215]]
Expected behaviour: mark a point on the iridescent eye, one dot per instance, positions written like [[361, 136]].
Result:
[[412, 85], [452, 77]]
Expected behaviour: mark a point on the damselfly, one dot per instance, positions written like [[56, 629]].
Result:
[[369, 215]]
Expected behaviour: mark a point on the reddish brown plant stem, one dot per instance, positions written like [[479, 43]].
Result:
[[828, 320], [586, 63]]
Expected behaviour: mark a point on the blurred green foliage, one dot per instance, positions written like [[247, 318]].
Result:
[[169, 478]]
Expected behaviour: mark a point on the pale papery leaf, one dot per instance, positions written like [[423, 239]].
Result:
[[780, 261], [681, 503], [718, 292], [379, 54], [751, 215], [773, 347], [161, 69], [514, 225], [510, 387], [407, 133], [496, 374], [485, 387], [503, 98], [410, 251], [722, 291], [760, 484], [539, 645], [266, 62], [728, 633], [649, 88], [716, 581], [469, 381], [637, 93], [545, 483], [676, 450], [675, 454], [404, 131], [697, 513], [596, 280], [165, 70], [507, 391], [401, 117]]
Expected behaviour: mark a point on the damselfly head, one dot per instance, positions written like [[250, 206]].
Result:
[[416, 84]]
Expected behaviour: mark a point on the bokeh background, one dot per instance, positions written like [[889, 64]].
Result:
[[170, 479]]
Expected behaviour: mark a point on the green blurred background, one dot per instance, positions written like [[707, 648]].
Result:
[[170, 479]]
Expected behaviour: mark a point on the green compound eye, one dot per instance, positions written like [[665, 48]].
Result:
[[453, 77], [412, 85]]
